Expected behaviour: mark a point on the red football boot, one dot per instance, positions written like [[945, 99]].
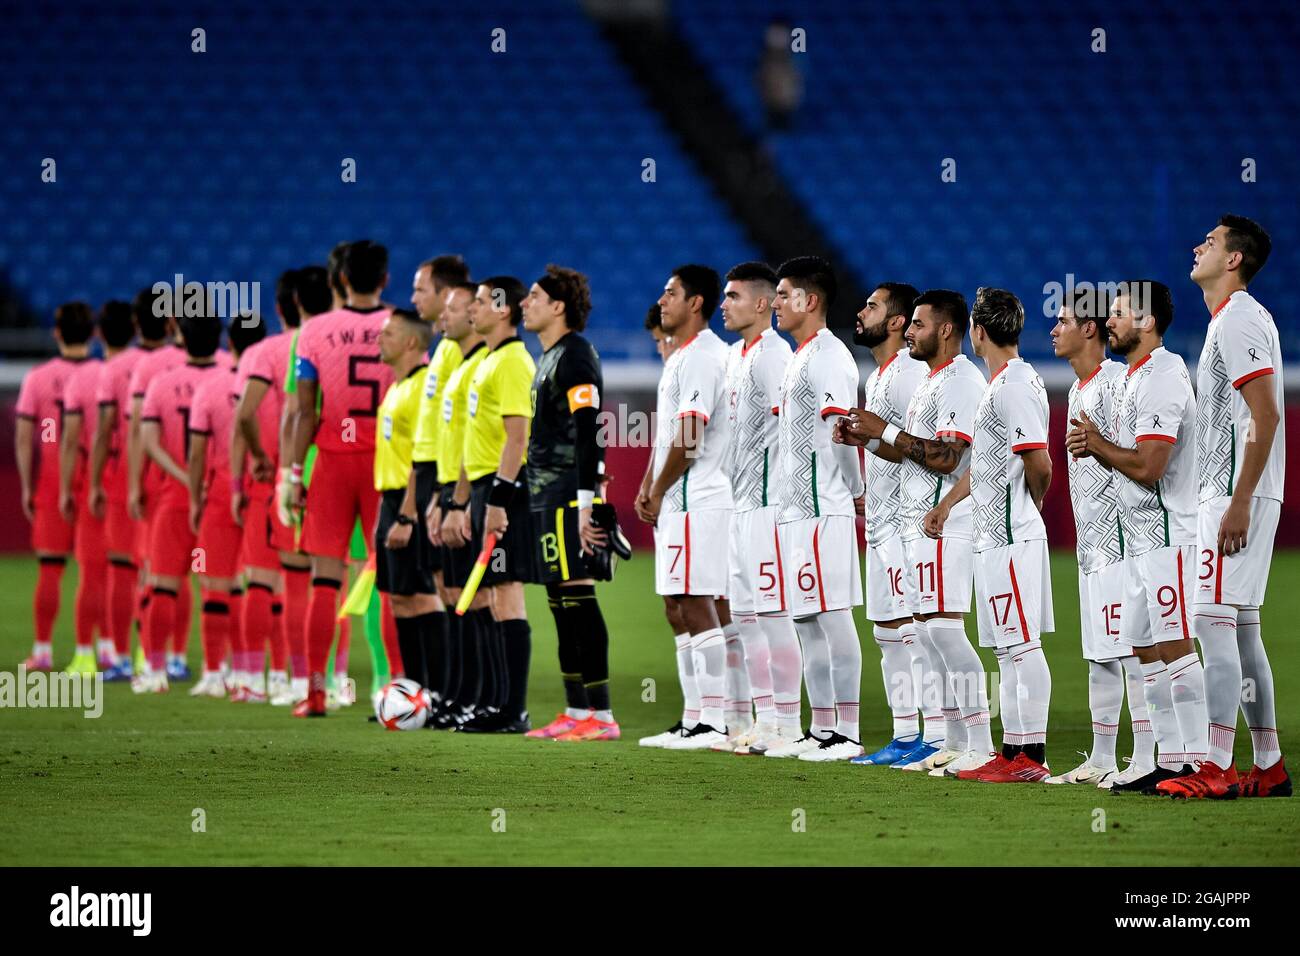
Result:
[[996, 765], [314, 704], [1021, 770], [1210, 782], [1273, 782]]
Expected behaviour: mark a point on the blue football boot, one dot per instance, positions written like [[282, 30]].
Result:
[[177, 669], [120, 671], [920, 750], [890, 753]]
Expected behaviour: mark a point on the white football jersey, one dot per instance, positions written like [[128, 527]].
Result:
[[1094, 488], [694, 383], [754, 378], [820, 384], [1241, 344], [888, 392], [943, 407], [1157, 404], [1011, 420]]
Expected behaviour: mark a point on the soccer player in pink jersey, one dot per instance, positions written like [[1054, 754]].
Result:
[[164, 434], [107, 494], [36, 450], [338, 359], [220, 538]]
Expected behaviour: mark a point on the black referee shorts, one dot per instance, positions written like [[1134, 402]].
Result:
[[400, 570], [513, 558], [456, 562], [557, 548], [426, 483]]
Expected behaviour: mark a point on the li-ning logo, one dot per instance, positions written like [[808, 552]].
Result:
[[103, 909]]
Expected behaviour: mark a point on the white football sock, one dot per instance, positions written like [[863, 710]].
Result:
[[686, 675], [709, 653], [1215, 626], [1164, 725], [1105, 699], [1008, 700], [739, 710], [966, 675], [943, 726], [900, 689], [1033, 689], [846, 669], [817, 674], [931, 709], [1144, 741], [1257, 701], [787, 668], [1187, 687], [758, 665]]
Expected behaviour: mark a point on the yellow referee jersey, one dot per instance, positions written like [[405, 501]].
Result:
[[396, 432], [502, 385], [446, 359], [451, 429]]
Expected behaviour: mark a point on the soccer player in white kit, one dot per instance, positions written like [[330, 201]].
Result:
[[821, 491], [934, 451], [1078, 337], [689, 500], [1242, 457], [1154, 453], [756, 584], [1008, 478], [882, 325]]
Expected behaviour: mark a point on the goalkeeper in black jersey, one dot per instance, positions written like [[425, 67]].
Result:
[[564, 465]]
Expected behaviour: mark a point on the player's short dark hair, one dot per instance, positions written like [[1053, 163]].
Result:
[[75, 322], [245, 330], [202, 334], [334, 267], [999, 313], [514, 292], [948, 305], [1249, 238], [285, 287], [1091, 303], [901, 297], [570, 287], [116, 324], [752, 272], [312, 283], [812, 274], [365, 264], [422, 330], [446, 270], [702, 281], [466, 286], [152, 325], [1149, 297], [654, 318]]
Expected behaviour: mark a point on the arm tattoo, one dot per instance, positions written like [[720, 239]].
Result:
[[940, 456]]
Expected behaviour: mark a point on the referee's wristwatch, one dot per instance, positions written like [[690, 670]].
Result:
[[405, 520]]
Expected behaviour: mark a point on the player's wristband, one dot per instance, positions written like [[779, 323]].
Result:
[[404, 520], [454, 505], [890, 434], [502, 492], [585, 499], [873, 444], [295, 474]]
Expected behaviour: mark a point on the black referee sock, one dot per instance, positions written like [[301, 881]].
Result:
[[408, 641], [471, 682], [517, 638], [451, 684], [484, 632], [570, 648], [500, 670], [434, 636]]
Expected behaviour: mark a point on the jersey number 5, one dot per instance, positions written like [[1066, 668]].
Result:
[[356, 378]]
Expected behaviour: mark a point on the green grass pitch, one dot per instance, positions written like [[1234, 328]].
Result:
[[124, 788]]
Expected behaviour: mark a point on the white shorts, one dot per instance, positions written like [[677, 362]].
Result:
[[887, 582], [756, 584], [939, 573], [820, 560], [1156, 587], [1101, 604], [691, 552], [1013, 591], [1242, 578]]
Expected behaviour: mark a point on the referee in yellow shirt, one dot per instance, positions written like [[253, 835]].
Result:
[[496, 443], [402, 566]]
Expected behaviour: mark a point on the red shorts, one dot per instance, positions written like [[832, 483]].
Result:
[[119, 530], [342, 490], [171, 543], [259, 545], [220, 539], [92, 539], [50, 533]]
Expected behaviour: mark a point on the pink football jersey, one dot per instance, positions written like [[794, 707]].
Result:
[[212, 413], [343, 347], [80, 393], [168, 401], [115, 389], [149, 366], [266, 361], [40, 399]]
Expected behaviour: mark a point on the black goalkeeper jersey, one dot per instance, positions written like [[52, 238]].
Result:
[[568, 378]]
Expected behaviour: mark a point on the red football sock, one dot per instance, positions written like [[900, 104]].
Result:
[[184, 619], [45, 602], [92, 583], [322, 606], [257, 624], [295, 617], [238, 637], [279, 646], [345, 645], [160, 620], [388, 628], [214, 623], [121, 602]]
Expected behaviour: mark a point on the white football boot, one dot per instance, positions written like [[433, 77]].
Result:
[[970, 760], [939, 759], [211, 684], [756, 734], [279, 691], [346, 692], [1087, 773], [255, 688], [778, 737], [796, 747], [700, 737], [661, 740], [150, 682], [835, 747], [1134, 771]]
